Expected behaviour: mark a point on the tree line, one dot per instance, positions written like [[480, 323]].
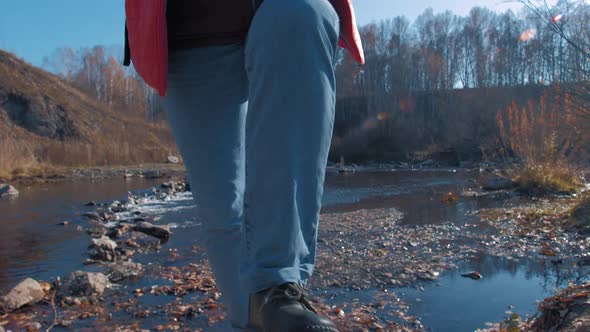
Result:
[[420, 77], [98, 71], [438, 82]]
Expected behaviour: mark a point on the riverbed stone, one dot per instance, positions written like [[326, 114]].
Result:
[[580, 216], [34, 326], [92, 216], [497, 183], [173, 159], [124, 270], [7, 190], [27, 292], [472, 275], [160, 232], [80, 283], [103, 249], [154, 174], [140, 241]]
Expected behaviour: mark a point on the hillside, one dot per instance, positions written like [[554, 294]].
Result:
[[44, 120]]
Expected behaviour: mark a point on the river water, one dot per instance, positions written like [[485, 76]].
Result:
[[33, 245]]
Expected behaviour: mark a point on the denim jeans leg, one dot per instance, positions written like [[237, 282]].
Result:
[[290, 54], [206, 104]]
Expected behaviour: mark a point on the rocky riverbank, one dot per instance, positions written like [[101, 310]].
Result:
[[134, 279]]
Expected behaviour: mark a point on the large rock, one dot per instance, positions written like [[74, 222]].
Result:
[[80, 283], [580, 216], [7, 190], [160, 232], [124, 270], [27, 292], [497, 183], [173, 159], [103, 249], [140, 241], [154, 174]]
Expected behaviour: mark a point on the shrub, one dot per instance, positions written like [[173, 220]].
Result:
[[546, 140]]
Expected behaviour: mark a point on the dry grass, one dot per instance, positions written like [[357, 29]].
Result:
[[99, 135], [16, 157], [547, 179], [547, 140], [579, 214]]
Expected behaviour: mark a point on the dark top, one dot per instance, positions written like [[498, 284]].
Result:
[[194, 23]]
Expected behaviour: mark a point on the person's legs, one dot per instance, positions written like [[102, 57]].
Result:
[[290, 54], [206, 104]]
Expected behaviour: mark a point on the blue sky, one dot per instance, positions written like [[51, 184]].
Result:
[[34, 28]]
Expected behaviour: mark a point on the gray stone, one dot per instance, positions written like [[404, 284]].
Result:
[[66, 323], [86, 283], [103, 249], [580, 216], [92, 216], [141, 241], [173, 160], [124, 270], [497, 183], [7, 190], [155, 174], [27, 292], [34, 326], [472, 275], [160, 232]]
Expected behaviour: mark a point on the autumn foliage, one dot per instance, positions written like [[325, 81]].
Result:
[[47, 121], [546, 138]]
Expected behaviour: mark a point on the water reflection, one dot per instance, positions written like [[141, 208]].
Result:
[[30, 242], [455, 303], [32, 245]]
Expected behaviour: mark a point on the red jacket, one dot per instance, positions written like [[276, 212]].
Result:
[[148, 45]]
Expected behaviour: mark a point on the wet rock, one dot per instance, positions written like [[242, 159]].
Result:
[[91, 203], [166, 185], [117, 207], [27, 292], [160, 232], [568, 310], [72, 301], [80, 283], [427, 275], [156, 174], [64, 223], [34, 326], [107, 216], [580, 216], [173, 160], [115, 233], [450, 198], [428, 163], [103, 249], [7, 190], [141, 241], [96, 231], [124, 270], [497, 183], [472, 275], [91, 216]]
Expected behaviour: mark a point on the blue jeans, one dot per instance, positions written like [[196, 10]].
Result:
[[254, 123]]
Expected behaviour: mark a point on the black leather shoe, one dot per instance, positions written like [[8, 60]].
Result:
[[285, 308]]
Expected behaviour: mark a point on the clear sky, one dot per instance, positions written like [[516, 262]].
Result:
[[34, 28]]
